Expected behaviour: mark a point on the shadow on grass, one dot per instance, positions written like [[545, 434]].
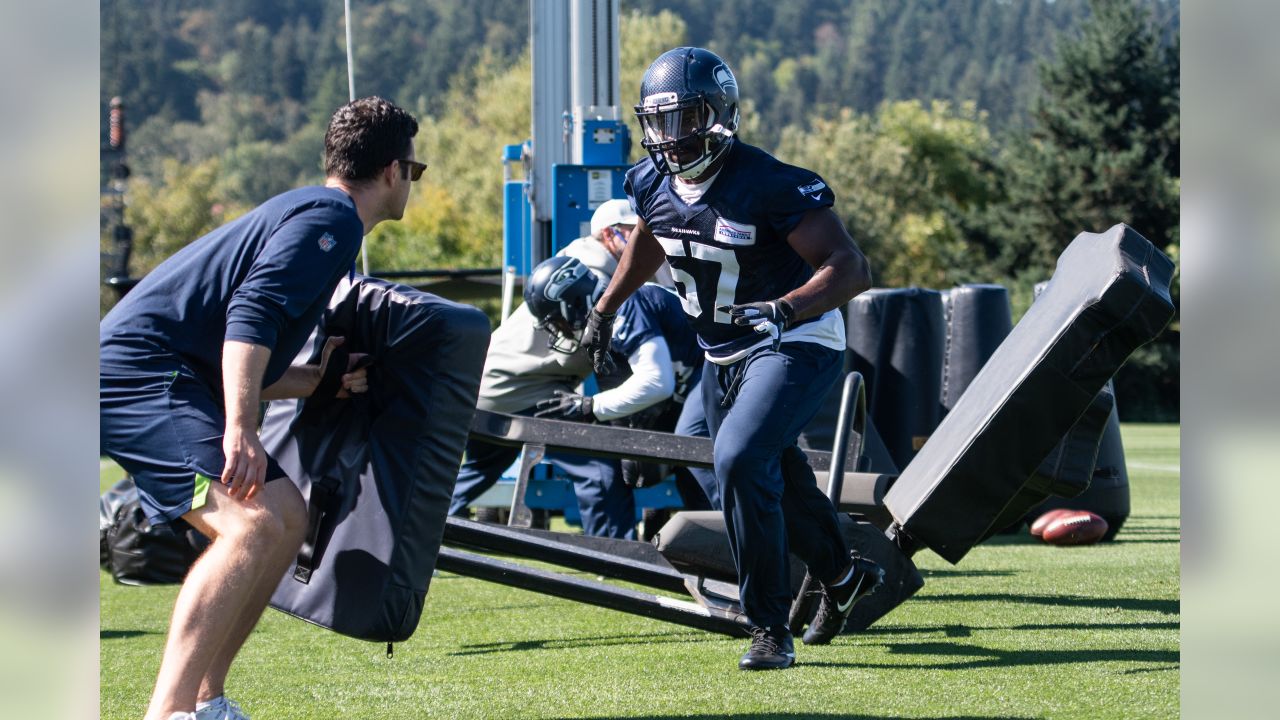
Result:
[[122, 634], [581, 642], [1168, 607], [982, 657], [800, 716], [967, 573], [968, 631]]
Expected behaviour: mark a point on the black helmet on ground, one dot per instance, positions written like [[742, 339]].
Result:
[[559, 294], [688, 110]]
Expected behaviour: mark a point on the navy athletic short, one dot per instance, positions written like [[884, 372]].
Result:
[[164, 427]]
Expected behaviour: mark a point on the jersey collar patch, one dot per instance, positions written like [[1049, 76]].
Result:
[[327, 242]]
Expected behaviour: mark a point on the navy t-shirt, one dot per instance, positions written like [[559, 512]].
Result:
[[654, 311], [263, 278], [730, 247]]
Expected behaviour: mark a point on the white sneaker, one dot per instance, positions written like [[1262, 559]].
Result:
[[182, 716], [221, 709]]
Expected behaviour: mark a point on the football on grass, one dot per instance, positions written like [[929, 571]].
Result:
[[1037, 527], [1075, 528]]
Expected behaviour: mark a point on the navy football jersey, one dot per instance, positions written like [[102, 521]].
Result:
[[730, 247], [654, 311], [264, 278]]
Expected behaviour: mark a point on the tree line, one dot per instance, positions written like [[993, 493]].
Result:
[[966, 140]]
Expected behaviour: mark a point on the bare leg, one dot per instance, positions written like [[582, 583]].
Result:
[[215, 678], [248, 537]]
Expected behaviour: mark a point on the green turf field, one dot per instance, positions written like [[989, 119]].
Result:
[[1018, 630]]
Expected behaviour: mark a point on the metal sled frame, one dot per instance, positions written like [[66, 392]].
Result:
[[714, 606]]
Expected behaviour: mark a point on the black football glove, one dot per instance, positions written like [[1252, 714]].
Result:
[[596, 338], [778, 312], [565, 406]]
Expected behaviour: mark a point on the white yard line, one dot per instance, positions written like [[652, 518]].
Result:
[[1175, 469]]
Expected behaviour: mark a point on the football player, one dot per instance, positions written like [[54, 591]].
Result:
[[535, 362], [762, 264]]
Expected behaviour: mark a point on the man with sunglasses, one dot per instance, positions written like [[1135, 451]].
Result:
[[187, 356], [762, 264]]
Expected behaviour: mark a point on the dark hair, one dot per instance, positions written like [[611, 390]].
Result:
[[364, 136]]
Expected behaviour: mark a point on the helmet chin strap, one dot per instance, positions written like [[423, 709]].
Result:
[[708, 157]]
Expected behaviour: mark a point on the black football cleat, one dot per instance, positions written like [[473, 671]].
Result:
[[771, 649], [859, 579]]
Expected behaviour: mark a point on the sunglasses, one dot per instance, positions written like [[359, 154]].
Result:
[[412, 170]]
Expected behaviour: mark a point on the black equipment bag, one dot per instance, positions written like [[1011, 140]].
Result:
[[378, 469], [1108, 296], [133, 551]]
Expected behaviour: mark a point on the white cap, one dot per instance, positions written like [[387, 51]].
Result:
[[613, 212]]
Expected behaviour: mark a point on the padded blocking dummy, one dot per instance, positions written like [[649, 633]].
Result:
[[1069, 468], [1108, 491], [1107, 494], [978, 319], [896, 337], [1108, 296], [378, 469]]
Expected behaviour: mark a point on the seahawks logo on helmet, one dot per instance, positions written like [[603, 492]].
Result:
[[561, 280], [724, 78]]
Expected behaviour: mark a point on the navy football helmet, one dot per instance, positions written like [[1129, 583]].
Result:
[[560, 294], [688, 110]]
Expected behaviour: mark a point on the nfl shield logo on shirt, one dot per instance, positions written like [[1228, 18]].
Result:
[[327, 242]]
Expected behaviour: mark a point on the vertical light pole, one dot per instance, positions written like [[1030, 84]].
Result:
[[351, 95]]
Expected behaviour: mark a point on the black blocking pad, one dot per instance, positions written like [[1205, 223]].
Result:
[[978, 319], [378, 469], [696, 543], [895, 339], [1108, 491], [1108, 296]]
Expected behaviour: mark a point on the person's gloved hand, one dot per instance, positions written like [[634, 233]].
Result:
[[755, 315], [596, 338], [565, 406]]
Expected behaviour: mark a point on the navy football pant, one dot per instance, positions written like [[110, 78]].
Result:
[[607, 506], [693, 423], [771, 499]]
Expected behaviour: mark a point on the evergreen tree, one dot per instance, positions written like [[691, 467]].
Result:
[[1104, 145], [1103, 149]]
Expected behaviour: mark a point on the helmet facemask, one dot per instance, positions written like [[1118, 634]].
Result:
[[683, 136], [562, 336]]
